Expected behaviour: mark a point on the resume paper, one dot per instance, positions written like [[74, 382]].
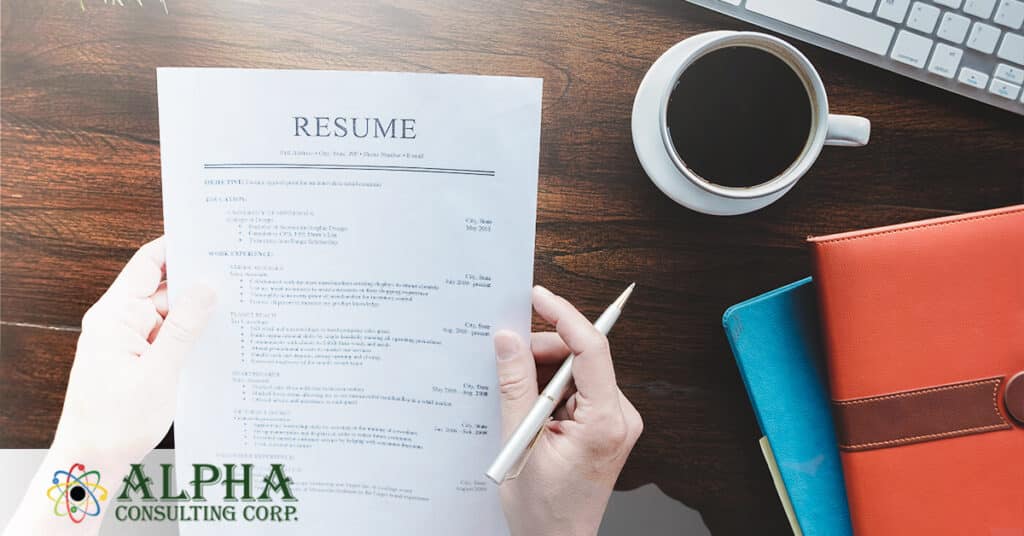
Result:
[[367, 234]]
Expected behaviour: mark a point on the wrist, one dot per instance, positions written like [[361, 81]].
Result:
[[65, 452], [111, 467], [49, 499], [78, 483]]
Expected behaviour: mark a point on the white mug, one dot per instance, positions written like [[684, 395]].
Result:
[[658, 154]]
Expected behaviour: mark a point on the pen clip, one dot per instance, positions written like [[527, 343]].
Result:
[[514, 471]]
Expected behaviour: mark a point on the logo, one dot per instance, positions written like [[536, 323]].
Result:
[[238, 494], [76, 493]]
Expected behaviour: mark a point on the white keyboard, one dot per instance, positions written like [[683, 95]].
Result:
[[971, 47]]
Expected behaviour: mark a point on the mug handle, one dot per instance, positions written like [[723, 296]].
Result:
[[847, 130]]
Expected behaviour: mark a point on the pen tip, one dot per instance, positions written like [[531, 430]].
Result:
[[621, 301]]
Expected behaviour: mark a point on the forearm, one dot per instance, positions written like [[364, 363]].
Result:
[[49, 505]]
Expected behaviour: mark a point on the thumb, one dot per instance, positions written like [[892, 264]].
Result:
[[185, 321], [517, 379]]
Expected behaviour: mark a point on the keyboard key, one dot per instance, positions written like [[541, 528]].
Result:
[[828, 20], [733, 2], [893, 10], [974, 78], [1010, 74], [1012, 48], [945, 60], [953, 27], [949, 3], [1004, 89], [922, 17], [867, 6], [979, 8], [1010, 14], [983, 37], [911, 49]]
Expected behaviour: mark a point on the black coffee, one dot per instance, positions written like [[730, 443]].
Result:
[[739, 116]]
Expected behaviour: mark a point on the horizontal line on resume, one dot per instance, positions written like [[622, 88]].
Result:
[[354, 167]]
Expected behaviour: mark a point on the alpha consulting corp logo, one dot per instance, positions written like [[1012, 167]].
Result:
[[76, 493]]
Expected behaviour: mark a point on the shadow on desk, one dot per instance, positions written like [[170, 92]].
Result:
[[649, 509]]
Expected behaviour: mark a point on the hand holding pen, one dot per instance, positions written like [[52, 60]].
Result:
[[565, 485]]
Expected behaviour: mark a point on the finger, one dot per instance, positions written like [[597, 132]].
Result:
[[184, 323], [134, 344], [570, 406], [138, 315], [517, 379], [549, 350], [567, 411], [159, 298], [548, 347], [592, 368], [156, 330], [567, 427], [141, 276], [111, 333]]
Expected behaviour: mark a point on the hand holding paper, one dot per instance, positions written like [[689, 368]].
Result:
[[121, 394]]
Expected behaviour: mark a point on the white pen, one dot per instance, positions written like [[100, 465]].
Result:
[[523, 436]]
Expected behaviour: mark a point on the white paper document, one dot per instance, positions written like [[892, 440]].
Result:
[[367, 234]]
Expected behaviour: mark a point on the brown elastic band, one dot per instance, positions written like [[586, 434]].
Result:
[[922, 415]]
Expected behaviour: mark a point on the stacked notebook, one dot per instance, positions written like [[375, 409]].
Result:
[[775, 339], [924, 327], [923, 331]]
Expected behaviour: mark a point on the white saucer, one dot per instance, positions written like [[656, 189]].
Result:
[[650, 145]]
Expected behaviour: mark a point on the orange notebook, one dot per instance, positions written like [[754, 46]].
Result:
[[924, 331]]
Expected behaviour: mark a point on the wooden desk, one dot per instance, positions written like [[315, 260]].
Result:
[[81, 189]]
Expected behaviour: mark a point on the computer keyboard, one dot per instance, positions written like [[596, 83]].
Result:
[[971, 47]]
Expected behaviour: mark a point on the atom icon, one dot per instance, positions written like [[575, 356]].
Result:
[[76, 493]]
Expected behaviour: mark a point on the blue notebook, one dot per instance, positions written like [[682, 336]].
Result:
[[776, 341]]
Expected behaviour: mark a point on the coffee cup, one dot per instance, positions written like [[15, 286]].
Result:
[[727, 122]]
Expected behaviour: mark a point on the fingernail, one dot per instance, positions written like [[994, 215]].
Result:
[[543, 290], [506, 345]]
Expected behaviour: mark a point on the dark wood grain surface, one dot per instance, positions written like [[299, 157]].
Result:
[[81, 189]]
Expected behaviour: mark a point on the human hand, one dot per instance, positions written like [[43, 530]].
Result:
[[120, 399], [123, 386], [565, 485]]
